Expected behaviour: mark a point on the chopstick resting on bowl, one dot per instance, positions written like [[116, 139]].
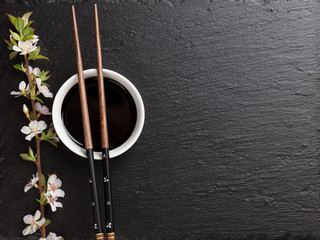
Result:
[[110, 235], [87, 134]]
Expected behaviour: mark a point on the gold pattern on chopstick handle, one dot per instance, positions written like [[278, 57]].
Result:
[[99, 236], [111, 236]]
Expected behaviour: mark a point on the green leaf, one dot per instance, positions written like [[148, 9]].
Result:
[[26, 157], [31, 153], [27, 31], [9, 44], [29, 23], [13, 20], [41, 57], [25, 18], [31, 115], [47, 222], [23, 68], [52, 142], [15, 35], [39, 99], [33, 93], [43, 135], [20, 25], [50, 133], [42, 199], [19, 67], [33, 55], [28, 37], [43, 179], [12, 55], [37, 51], [44, 75]]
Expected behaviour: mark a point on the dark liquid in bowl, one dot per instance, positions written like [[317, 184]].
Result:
[[121, 113]]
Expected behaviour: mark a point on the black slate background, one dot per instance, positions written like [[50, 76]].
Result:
[[230, 147]]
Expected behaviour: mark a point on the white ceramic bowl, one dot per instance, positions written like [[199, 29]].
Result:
[[61, 129]]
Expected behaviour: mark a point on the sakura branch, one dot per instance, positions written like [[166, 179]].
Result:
[[22, 41]]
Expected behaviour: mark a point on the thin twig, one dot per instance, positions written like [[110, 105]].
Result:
[[38, 140]]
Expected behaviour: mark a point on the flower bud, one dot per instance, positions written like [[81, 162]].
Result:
[[26, 111]]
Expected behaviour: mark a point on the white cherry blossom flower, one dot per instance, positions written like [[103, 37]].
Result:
[[44, 89], [34, 128], [43, 109], [34, 223], [32, 182], [23, 87], [51, 236], [53, 201], [35, 71], [24, 47], [54, 185]]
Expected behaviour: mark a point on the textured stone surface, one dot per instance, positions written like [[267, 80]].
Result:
[[230, 147]]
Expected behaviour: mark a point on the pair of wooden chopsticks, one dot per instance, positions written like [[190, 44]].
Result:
[[104, 135]]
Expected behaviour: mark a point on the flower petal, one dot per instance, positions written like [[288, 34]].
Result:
[[20, 43], [36, 71], [58, 204], [15, 48], [22, 86], [41, 222], [38, 106], [25, 130], [37, 215], [33, 229], [30, 69], [42, 125], [26, 231], [31, 49], [34, 179], [52, 236], [46, 92], [28, 187], [59, 193], [52, 179], [33, 124], [39, 83], [45, 110], [27, 44], [27, 219], [53, 207], [30, 136], [58, 182], [15, 93]]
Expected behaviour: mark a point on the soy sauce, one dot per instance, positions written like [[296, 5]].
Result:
[[121, 113]]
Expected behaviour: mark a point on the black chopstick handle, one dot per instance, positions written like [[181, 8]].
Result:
[[94, 193], [107, 191]]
